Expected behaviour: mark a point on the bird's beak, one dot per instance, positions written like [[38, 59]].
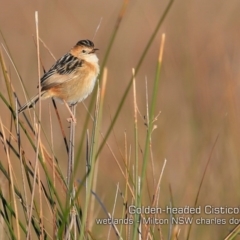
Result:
[[94, 50]]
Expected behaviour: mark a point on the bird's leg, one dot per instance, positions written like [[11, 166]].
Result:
[[71, 113]]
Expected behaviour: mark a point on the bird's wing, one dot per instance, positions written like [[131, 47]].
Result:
[[63, 70]]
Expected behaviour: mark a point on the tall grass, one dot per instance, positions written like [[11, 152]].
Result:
[[42, 201]]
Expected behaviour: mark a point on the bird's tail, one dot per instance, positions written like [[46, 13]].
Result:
[[29, 104]]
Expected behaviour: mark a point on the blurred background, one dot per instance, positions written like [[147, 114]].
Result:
[[198, 95]]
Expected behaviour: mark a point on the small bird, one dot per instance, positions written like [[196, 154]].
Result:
[[71, 78]]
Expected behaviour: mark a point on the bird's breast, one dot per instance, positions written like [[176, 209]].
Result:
[[80, 85]]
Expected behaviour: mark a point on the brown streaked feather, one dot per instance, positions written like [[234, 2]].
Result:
[[65, 66], [56, 80]]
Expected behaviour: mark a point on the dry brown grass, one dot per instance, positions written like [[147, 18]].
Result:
[[198, 98]]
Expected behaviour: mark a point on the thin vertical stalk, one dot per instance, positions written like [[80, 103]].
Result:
[[92, 158], [149, 132], [71, 148], [70, 178], [41, 223], [95, 175], [53, 176], [136, 142], [38, 130]]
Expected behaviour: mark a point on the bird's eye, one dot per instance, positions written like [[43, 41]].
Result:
[[83, 51]]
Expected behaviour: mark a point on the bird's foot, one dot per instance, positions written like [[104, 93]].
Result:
[[72, 119]]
